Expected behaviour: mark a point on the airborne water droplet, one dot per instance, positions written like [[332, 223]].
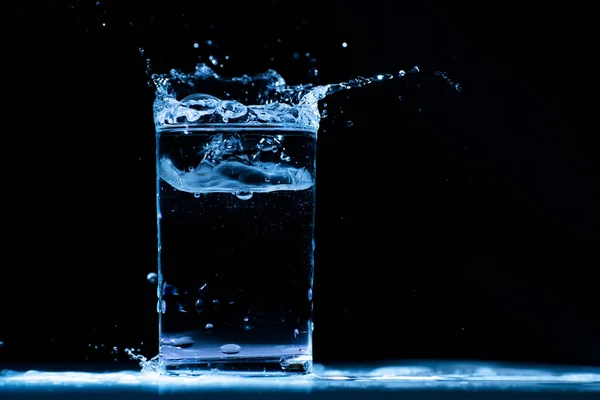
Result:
[[197, 195], [244, 195], [152, 277], [296, 333]]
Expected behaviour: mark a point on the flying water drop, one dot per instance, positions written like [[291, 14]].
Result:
[[152, 278]]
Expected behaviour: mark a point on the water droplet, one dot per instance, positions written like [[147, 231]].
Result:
[[230, 348], [349, 124], [209, 326], [401, 73], [98, 3], [196, 45], [344, 44], [310, 295], [296, 55], [457, 87], [152, 277], [163, 306], [209, 42], [244, 195], [296, 333], [199, 305], [197, 195], [313, 72], [1, 343], [246, 319]]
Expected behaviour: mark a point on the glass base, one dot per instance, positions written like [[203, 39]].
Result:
[[240, 366], [242, 359]]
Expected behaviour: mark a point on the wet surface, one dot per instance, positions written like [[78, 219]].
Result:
[[415, 381]]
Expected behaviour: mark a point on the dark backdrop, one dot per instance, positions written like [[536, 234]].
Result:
[[451, 224]]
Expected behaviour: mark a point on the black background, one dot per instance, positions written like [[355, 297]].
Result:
[[458, 225]]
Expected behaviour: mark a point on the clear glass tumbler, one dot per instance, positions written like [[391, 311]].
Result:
[[235, 203]]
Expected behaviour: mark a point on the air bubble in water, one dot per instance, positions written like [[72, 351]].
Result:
[[244, 195], [152, 277], [199, 305], [230, 348], [170, 290], [182, 342]]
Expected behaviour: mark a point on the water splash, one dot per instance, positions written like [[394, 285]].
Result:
[[152, 365], [205, 97]]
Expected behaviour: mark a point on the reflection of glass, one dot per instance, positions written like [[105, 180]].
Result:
[[235, 200]]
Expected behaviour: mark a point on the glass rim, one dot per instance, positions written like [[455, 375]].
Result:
[[222, 126]]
